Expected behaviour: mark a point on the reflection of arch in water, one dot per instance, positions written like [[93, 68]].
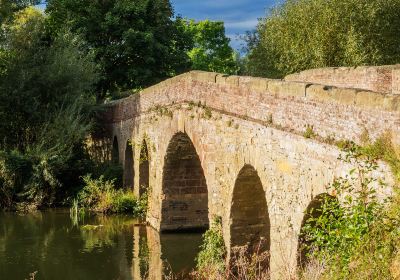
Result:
[[179, 251], [156, 255], [185, 205], [250, 224], [314, 210], [128, 166]]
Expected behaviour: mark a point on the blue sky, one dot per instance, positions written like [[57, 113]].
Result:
[[239, 15]]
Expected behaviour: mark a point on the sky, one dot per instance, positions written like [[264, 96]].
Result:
[[239, 15]]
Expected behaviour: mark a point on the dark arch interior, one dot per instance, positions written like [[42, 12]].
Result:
[[249, 213], [143, 169], [128, 168], [314, 210], [115, 151], [185, 204]]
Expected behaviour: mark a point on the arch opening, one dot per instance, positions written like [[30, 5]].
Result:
[[313, 211], [250, 224], [115, 151], [185, 203], [144, 169], [128, 166]]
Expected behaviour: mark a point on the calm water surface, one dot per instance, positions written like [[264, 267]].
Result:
[[57, 247]]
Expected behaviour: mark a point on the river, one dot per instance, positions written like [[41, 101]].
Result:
[[52, 245]]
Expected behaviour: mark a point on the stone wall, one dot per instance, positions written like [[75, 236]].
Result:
[[383, 79], [243, 123]]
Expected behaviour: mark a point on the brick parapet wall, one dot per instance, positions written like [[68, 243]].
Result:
[[383, 79], [341, 113]]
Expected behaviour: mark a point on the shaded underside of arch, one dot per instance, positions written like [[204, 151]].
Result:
[[128, 166], [250, 224], [185, 202], [115, 151]]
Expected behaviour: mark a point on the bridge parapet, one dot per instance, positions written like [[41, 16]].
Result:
[[332, 112], [383, 79]]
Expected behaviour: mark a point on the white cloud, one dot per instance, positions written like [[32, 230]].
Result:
[[245, 24]]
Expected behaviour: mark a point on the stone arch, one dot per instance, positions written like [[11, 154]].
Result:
[[313, 210], [184, 187], [128, 166], [250, 223], [144, 168], [115, 151]]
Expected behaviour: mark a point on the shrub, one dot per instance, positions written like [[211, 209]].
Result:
[[100, 195], [15, 170], [356, 237], [213, 252]]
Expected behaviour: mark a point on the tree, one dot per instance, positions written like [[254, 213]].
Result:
[[303, 34], [135, 42], [208, 47], [46, 89], [9, 7]]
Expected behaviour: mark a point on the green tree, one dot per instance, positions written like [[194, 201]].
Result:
[[303, 34], [9, 7], [46, 90], [135, 42], [207, 46]]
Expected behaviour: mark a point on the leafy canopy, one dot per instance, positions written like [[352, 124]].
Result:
[[135, 42], [208, 47], [304, 34]]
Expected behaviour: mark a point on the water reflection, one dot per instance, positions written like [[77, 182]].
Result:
[[94, 248]]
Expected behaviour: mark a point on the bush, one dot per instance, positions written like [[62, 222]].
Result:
[[100, 195], [15, 170], [358, 237], [213, 252]]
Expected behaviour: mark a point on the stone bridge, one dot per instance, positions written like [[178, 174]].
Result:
[[255, 152]]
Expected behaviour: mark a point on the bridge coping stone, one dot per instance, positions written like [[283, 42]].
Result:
[[284, 88]]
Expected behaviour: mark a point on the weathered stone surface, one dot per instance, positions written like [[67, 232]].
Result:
[[395, 267], [383, 79], [196, 153]]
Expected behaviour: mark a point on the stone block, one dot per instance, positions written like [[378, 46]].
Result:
[[201, 76], [370, 99], [284, 89]]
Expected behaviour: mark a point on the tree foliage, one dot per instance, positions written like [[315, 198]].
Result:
[[9, 7], [136, 43], [46, 88], [304, 34], [207, 46]]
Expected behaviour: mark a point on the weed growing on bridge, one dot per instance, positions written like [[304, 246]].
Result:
[[270, 120], [163, 111], [207, 114], [309, 133]]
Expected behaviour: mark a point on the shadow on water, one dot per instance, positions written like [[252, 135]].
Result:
[[97, 247]]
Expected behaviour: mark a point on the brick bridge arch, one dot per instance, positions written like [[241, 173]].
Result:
[[227, 128]]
